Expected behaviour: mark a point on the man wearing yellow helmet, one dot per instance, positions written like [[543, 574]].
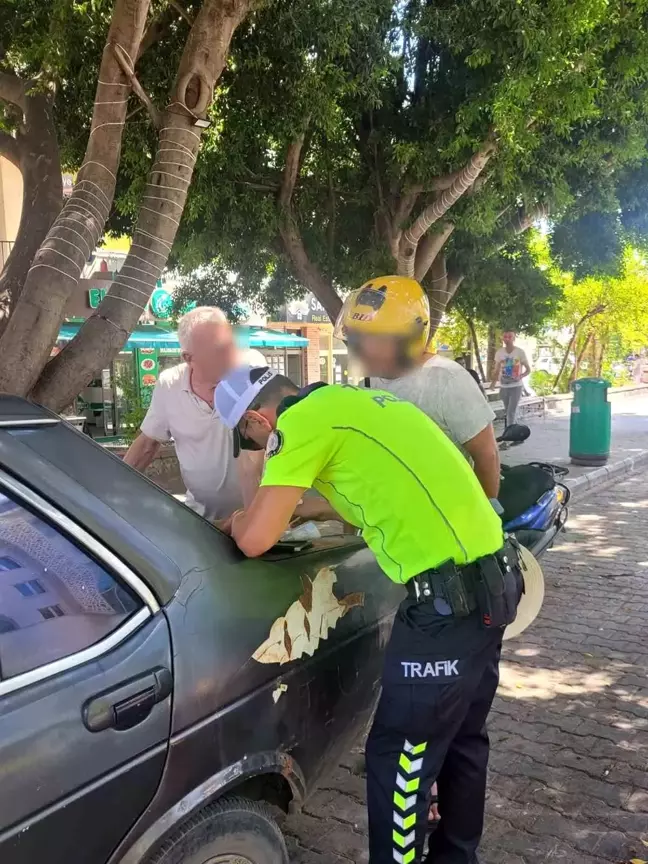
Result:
[[385, 324]]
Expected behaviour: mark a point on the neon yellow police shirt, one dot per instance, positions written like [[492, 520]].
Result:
[[385, 467]]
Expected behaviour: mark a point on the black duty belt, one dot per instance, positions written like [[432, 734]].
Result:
[[493, 585]]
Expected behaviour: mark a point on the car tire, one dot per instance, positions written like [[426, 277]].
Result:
[[233, 828]]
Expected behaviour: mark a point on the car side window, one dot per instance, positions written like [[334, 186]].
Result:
[[55, 600]]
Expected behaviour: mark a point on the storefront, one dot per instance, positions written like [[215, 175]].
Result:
[[116, 395]]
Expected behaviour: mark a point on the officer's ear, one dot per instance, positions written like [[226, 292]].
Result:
[[256, 417]]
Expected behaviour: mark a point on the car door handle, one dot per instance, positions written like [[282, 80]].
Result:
[[129, 703]]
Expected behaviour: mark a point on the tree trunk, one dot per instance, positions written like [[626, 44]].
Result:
[[305, 271], [40, 166], [565, 359], [33, 327], [428, 249], [600, 355], [596, 310], [491, 351], [105, 333], [579, 358], [437, 291], [475, 345], [593, 353], [440, 289], [435, 211]]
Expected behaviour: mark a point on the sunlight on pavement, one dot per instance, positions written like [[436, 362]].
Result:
[[538, 683]]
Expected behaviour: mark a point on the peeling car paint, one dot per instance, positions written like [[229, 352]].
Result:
[[278, 692], [307, 621]]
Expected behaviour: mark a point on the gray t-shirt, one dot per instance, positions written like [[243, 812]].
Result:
[[448, 394], [511, 369]]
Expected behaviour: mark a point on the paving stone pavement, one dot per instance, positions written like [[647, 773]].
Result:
[[568, 775]]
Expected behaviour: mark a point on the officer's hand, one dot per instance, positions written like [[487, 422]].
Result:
[[313, 509], [225, 525]]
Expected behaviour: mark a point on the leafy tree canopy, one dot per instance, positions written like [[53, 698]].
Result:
[[392, 99], [510, 291]]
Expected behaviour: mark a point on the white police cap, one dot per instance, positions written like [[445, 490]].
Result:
[[238, 390]]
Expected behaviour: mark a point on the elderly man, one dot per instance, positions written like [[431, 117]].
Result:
[[182, 409]]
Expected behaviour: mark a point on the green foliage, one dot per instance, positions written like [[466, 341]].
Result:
[[392, 95], [510, 291], [542, 382], [608, 317], [133, 411], [588, 245], [454, 333], [209, 286]]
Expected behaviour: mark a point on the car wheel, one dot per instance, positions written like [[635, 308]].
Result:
[[231, 831]]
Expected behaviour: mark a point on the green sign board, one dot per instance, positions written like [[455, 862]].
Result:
[[161, 303], [148, 370], [95, 296]]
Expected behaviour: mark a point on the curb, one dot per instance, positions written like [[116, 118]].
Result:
[[586, 483]]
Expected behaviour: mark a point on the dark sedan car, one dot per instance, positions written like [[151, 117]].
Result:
[[157, 690]]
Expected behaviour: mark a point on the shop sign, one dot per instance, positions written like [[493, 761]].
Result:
[[95, 296], [148, 370], [306, 311], [68, 185], [161, 303]]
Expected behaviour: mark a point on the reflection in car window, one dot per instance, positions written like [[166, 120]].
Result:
[[55, 600]]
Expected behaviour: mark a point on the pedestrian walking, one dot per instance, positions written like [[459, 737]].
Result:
[[511, 368]]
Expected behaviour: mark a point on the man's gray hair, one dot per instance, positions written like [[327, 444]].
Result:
[[199, 315]]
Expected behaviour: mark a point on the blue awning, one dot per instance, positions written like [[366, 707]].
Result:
[[262, 337], [152, 336], [144, 336]]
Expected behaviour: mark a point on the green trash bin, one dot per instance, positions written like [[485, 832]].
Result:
[[590, 427]]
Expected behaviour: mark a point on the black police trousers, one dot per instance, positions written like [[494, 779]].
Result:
[[440, 677]]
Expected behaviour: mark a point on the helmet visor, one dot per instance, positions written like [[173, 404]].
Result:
[[342, 329]]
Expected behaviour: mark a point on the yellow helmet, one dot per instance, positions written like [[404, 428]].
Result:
[[388, 306]]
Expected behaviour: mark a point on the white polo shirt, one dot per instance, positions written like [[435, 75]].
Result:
[[204, 446]]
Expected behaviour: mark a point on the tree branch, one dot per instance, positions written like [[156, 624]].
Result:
[[127, 68], [596, 310], [440, 184], [431, 214], [406, 203], [429, 248], [521, 222], [159, 26], [475, 345], [182, 12], [13, 90], [10, 148], [291, 169], [306, 272]]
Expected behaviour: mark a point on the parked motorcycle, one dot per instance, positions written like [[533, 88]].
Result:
[[538, 524]]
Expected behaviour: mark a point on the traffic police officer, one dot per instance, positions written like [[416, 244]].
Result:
[[385, 467]]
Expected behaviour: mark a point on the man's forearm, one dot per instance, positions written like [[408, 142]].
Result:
[[484, 452], [142, 452], [487, 469], [250, 471]]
